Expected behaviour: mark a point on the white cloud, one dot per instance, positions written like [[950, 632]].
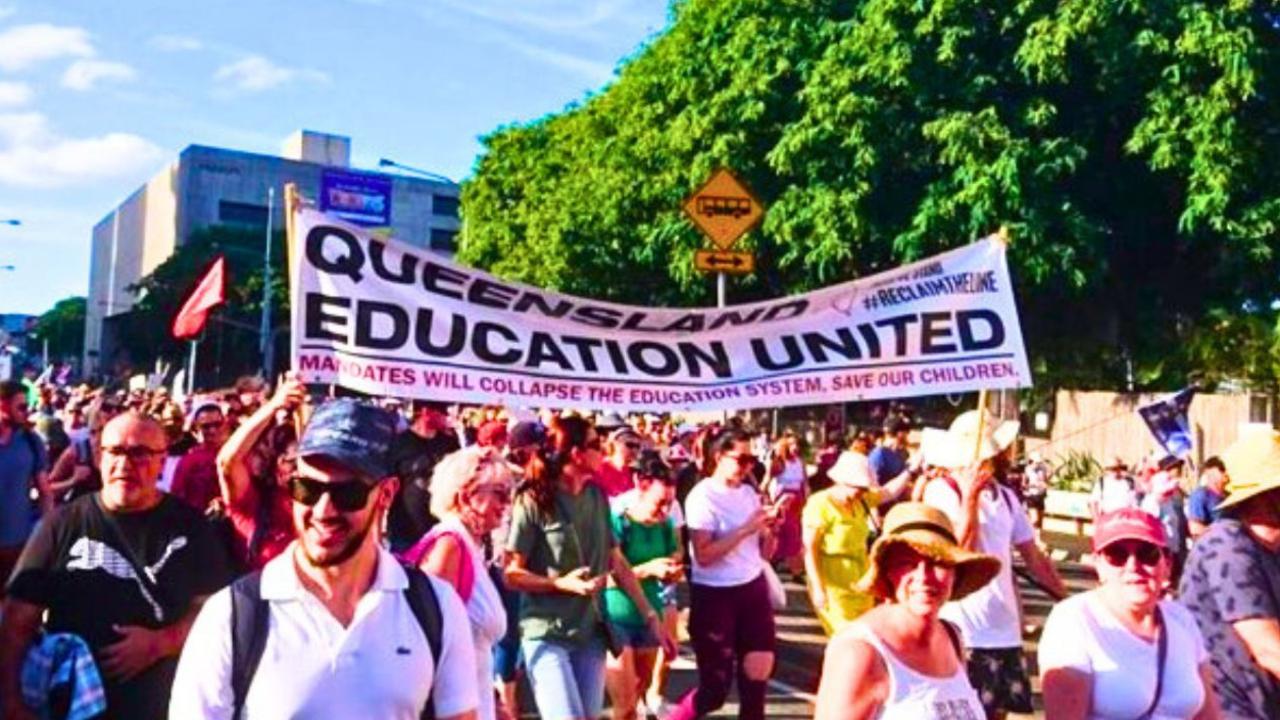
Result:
[[175, 43], [22, 46], [575, 18], [33, 155], [255, 73], [84, 74], [598, 73], [14, 94]]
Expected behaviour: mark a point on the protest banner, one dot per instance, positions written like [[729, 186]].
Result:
[[384, 317]]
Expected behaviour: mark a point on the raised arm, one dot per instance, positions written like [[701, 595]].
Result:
[[234, 478]]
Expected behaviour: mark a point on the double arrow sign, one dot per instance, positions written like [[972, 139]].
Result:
[[725, 261]]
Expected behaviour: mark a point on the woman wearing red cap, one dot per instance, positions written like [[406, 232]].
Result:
[[1120, 651]]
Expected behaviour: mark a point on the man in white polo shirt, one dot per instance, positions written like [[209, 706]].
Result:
[[342, 637]]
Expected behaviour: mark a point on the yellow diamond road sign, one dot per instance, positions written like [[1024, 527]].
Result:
[[724, 209]]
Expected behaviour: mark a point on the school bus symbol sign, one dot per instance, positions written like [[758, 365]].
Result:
[[724, 209]]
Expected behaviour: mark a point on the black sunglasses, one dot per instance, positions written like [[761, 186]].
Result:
[[1118, 554], [346, 496]]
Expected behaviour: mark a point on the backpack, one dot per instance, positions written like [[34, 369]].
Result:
[[249, 624]]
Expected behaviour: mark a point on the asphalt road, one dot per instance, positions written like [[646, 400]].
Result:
[[801, 643]]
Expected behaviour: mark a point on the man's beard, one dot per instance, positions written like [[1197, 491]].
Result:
[[348, 549]]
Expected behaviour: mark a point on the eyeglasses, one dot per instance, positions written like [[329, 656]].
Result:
[[133, 453], [1118, 554], [742, 458], [632, 445], [210, 426], [346, 496]]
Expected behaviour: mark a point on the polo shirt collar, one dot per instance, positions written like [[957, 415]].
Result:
[[280, 578]]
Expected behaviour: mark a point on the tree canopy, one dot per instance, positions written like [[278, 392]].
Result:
[[63, 327], [231, 339], [1128, 147]]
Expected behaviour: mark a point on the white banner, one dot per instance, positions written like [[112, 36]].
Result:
[[383, 317]]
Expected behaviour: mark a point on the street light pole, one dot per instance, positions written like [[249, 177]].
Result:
[[387, 162]]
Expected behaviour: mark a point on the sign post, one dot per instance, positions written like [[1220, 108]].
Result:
[[724, 209]]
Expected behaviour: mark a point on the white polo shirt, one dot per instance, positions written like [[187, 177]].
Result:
[[312, 667]]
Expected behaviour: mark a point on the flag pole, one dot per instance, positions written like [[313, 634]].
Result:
[[191, 368], [264, 331]]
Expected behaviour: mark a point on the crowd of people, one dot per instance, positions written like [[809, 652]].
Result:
[[256, 553]]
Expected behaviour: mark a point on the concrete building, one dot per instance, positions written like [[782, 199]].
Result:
[[210, 186]]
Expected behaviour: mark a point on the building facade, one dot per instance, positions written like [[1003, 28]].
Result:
[[215, 186]]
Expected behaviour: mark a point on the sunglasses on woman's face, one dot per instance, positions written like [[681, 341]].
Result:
[[348, 496], [1118, 554]]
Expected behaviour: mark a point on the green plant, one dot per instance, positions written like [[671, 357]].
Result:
[[1075, 471]]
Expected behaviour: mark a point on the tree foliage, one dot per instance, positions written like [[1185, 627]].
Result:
[[229, 347], [1128, 147], [63, 327]]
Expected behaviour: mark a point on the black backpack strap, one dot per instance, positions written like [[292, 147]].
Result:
[[426, 609], [249, 616]]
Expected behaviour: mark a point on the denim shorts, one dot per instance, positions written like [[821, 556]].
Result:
[[639, 637]]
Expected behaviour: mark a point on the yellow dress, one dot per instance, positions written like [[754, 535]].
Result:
[[842, 555]]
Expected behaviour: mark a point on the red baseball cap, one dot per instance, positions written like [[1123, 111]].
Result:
[[1128, 524]]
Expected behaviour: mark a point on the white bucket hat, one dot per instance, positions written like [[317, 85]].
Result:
[[851, 470]]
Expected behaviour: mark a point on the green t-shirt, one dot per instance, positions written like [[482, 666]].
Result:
[[553, 544], [639, 544]]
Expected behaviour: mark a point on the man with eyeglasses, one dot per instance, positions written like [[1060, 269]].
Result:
[[23, 464], [195, 480], [339, 621], [125, 569]]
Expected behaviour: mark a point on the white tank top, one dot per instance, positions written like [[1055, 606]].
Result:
[[485, 611], [915, 696]]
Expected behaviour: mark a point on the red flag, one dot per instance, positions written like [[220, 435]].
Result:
[[210, 292]]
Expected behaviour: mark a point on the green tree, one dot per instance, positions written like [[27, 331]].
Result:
[[229, 344], [1127, 146], [63, 327]]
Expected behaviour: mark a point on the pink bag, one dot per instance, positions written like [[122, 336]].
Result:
[[466, 571]]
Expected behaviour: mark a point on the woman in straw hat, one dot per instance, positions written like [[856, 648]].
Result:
[[900, 661], [838, 526], [1119, 650]]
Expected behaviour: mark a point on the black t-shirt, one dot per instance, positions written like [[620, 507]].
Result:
[[414, 458], [78, 565]]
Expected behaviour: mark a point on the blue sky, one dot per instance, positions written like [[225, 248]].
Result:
[[95, 96]]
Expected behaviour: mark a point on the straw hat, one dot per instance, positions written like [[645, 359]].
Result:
[[974, 436], [851, 470], [928, 531], [1253, 467]]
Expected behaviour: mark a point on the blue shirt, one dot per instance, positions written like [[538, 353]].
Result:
[[20, 459], [886, 464], [1203, 505]]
